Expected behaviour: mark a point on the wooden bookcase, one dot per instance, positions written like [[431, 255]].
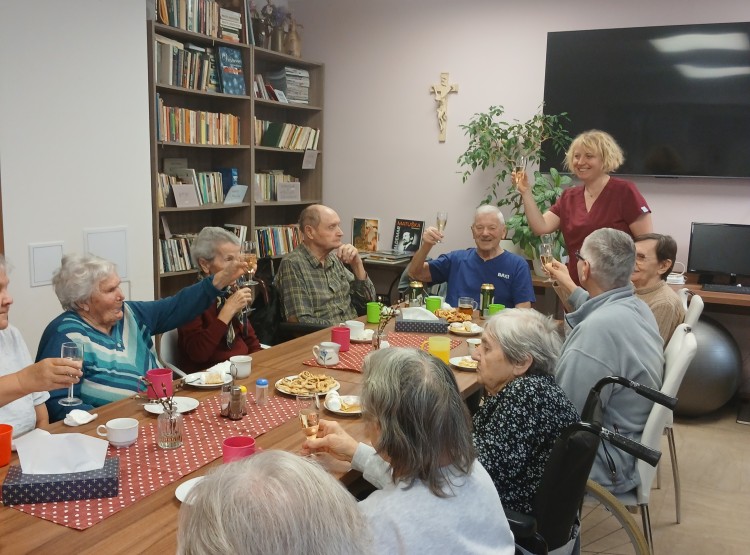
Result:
[[246, 157]]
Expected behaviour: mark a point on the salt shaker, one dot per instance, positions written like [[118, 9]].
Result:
[[235, 404], [225, 398], [261, 391]]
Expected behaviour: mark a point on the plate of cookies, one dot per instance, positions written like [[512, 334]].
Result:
[[465, 328], [306, 383], [464, 363]]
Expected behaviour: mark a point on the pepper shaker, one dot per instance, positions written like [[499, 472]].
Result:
[[261, 391]]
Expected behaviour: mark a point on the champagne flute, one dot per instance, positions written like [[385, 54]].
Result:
[[545, 255], [249, 255], [548, 239], [308, 408], [72, 351], [442, 221], [519, 168]]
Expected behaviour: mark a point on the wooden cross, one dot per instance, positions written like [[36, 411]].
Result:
[[441, 93]]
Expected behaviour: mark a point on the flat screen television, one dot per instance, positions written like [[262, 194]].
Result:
[[676, 98], [719, 249]]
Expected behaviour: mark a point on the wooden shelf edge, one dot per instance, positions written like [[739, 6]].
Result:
[[210, 206], [196, 92], [277, 104], [177, 274], [164, 29], [191, 145], [267, 55], [287, 202]]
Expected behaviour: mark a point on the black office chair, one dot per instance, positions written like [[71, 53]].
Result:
[[555, 508]]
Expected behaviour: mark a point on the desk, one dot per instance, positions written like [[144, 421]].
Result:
[[150, 524], [724, 302]]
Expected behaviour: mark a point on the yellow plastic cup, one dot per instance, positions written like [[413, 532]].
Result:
[[439, 347]]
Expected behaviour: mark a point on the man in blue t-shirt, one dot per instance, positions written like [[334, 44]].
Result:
[[466, 270]]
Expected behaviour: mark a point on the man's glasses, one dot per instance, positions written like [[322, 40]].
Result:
[[579, 257]]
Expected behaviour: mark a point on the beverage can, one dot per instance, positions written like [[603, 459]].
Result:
[[416, 293], [487, 297]]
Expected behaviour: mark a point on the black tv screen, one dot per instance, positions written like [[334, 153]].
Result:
[[676, 98], [719, 249]]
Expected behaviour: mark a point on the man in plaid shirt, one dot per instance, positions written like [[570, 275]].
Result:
[[314, 284]]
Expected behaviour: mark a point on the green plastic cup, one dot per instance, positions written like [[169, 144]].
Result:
[[373, 313], [433, 303], [495, 308]]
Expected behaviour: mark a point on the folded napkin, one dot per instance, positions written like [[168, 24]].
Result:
[[77, 417]]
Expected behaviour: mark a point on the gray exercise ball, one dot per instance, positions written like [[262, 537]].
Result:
[[713, 376]]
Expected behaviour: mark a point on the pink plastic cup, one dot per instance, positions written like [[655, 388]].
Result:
[[237, 447], [340, 335], [161, 378]]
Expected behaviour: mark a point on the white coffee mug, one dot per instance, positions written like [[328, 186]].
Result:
[[356, 329], [121, 432], [241, 366], [327, 353]]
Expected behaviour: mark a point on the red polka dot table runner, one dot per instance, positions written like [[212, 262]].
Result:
[[354, 358], [145, 468]]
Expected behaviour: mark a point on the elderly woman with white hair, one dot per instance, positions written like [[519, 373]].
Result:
[[433, 495], [117, 335], [220, 331], [523, 411], [273, 503]]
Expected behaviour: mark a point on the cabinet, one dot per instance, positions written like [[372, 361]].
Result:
[[246, 156]]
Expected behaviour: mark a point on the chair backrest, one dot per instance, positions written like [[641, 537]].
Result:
[[168, 350], [563, 484], [693, 305], [678, 360]]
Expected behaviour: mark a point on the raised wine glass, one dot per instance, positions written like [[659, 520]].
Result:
[[519, 168], [308, 408], [548, 239], [250, 255], [441, 221], [545, 256], [72, 351]]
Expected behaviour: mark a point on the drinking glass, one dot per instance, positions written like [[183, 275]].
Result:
[[308, 409], [72, 351], [545, 255], [250, 255], [519, 167], [441, 221], [548, 239]]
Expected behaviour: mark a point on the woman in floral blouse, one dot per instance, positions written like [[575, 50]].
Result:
[[523, 411]]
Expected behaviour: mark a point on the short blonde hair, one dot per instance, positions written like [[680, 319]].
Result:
[[600, 143]]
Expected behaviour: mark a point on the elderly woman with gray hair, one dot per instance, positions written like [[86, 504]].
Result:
[[523, 411], [116, 334], [273, 503], [433, 494], [220, 331]]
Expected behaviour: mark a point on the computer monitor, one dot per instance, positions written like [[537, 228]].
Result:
[[719, 249]]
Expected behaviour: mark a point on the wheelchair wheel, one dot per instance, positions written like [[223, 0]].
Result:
[[607, 526]]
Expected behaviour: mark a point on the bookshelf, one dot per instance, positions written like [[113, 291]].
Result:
[[246, 156]]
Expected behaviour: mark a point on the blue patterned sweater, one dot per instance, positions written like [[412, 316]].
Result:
[[113, 362]]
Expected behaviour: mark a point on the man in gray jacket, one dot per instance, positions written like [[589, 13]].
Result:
[[613, 333]]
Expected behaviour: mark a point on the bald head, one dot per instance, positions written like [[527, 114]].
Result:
[[321, 228]]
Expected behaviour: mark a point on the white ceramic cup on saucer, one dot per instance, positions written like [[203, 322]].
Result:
[[473, 343], [121, 432], [243, 365], [356, 329]]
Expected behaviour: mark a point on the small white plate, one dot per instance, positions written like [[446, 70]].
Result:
[[364, 338], [475, 330], [349, 400], [456, 360], [184, 404], [197, 380], [184, 488]]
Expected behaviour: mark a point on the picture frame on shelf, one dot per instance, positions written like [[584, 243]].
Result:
[[365, 234]]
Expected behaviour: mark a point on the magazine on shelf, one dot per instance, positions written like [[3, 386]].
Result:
[[407, 235]]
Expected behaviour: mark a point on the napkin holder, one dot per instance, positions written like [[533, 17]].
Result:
[[421, 326], [20, 488]]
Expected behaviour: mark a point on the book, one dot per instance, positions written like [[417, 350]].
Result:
[[272, 134], [236, 194], [171, 165], [365, 234], [407, 235], [288, 191], [185, 195], [389, 255], [229, 64], [229, 178]]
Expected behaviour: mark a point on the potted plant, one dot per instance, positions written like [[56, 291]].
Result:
[[500, 145]]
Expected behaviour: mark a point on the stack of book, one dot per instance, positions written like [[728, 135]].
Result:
[[184, 65], [293, 82], [180, 125], [387, 256], [277, 240], [286, 135], [266, 184], [199, 17], [174, 253], [230, 24]]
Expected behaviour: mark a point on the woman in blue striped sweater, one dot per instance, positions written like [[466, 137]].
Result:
[[117, 335]]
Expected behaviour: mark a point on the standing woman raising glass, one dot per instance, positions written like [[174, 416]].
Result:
[[601, 201]]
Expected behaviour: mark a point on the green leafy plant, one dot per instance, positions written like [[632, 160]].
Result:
[[498, 144]]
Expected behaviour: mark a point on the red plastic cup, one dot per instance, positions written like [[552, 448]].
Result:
[[161, 378], [237, 447], [340, 335], [6, 436]]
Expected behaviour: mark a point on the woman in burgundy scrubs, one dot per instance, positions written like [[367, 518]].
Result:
[[601, 201]]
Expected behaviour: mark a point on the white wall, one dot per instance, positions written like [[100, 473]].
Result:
[[74, 138], [382, 156]]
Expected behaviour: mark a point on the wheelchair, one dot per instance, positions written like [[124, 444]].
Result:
[[572, 514]]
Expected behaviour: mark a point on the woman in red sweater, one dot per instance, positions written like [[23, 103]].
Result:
[[220, 332]]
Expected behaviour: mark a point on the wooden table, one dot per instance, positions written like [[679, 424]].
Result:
[[150, 524]]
